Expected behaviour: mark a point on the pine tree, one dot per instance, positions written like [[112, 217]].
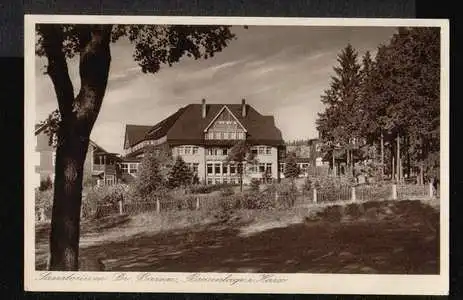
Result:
[[338, 124], [292, 170], [149, 179], [180, 174]]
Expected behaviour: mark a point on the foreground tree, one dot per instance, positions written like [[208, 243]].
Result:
[[292, 170], [149, 178], [154, 45], [240, 154], [180, 174]]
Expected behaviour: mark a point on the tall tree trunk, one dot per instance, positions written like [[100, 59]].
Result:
[[352, 161], [78, 115], [382, 154], [398, 158], [334, 163], [241, 169]]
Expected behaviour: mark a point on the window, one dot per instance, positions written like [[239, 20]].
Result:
[[232, 181], [224, 169], [195, 168], [261, 150], [261, 168], [216, 135], [133, 168], [195, 150], [225, 181], [217, 168], [209, 168], [53, 158], [209, 181], [282, 167], [268, 150], [232, 169], [230, 136], [224, 151], [217, 181], [252, 168], [187, 150], [268, 168], [125, 168], [254, 150], [210, 151], [180, 150], [222, 136]]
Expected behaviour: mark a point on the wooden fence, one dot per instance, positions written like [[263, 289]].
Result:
[[208, 203]]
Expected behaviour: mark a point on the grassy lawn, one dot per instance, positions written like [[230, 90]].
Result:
[[388, 237]]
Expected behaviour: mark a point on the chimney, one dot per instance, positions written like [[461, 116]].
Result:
[[203, 108], [243, 108]]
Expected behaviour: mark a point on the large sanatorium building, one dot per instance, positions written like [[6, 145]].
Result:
[[202, 134]]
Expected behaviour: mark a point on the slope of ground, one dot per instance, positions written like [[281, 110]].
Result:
[[387, 237]]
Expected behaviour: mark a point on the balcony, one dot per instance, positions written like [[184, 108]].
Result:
[[108, 169]]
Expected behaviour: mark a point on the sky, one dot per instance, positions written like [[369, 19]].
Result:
[[280, 71]]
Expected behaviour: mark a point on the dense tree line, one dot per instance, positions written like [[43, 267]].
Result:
[[385, 109]]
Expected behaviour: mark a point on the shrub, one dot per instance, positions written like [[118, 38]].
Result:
[[46, 184], [206, 189], [96, 199], [180, 174], [227, 191], [43, 203], [254, 185], [307, 186], [258, 201]]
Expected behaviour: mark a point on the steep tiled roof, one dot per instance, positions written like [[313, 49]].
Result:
[[190, 126], [135, 133], [161, 128], [186, 126]]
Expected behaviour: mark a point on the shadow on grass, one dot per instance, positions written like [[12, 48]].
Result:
[[376, 237]]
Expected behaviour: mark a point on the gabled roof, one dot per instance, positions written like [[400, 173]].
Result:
[[189, 127], [186, 126], [218, 114]]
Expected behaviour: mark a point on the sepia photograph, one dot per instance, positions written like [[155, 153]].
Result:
[[237, 153]]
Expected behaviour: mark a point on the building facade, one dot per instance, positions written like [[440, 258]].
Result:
[[203, 134], [100, 167], [309, 158]]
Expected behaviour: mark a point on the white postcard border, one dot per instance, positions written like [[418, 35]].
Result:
[[232, 282]]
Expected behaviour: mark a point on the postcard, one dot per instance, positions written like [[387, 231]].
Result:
[[236, 155]]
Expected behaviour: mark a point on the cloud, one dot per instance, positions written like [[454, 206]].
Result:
[[279, 70]]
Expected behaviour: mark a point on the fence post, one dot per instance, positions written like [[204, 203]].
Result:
[[42, 214], [394, 191], [158, 205], [431, 190], [314, 195], [353, 196], [197, 203], [121, 207]]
